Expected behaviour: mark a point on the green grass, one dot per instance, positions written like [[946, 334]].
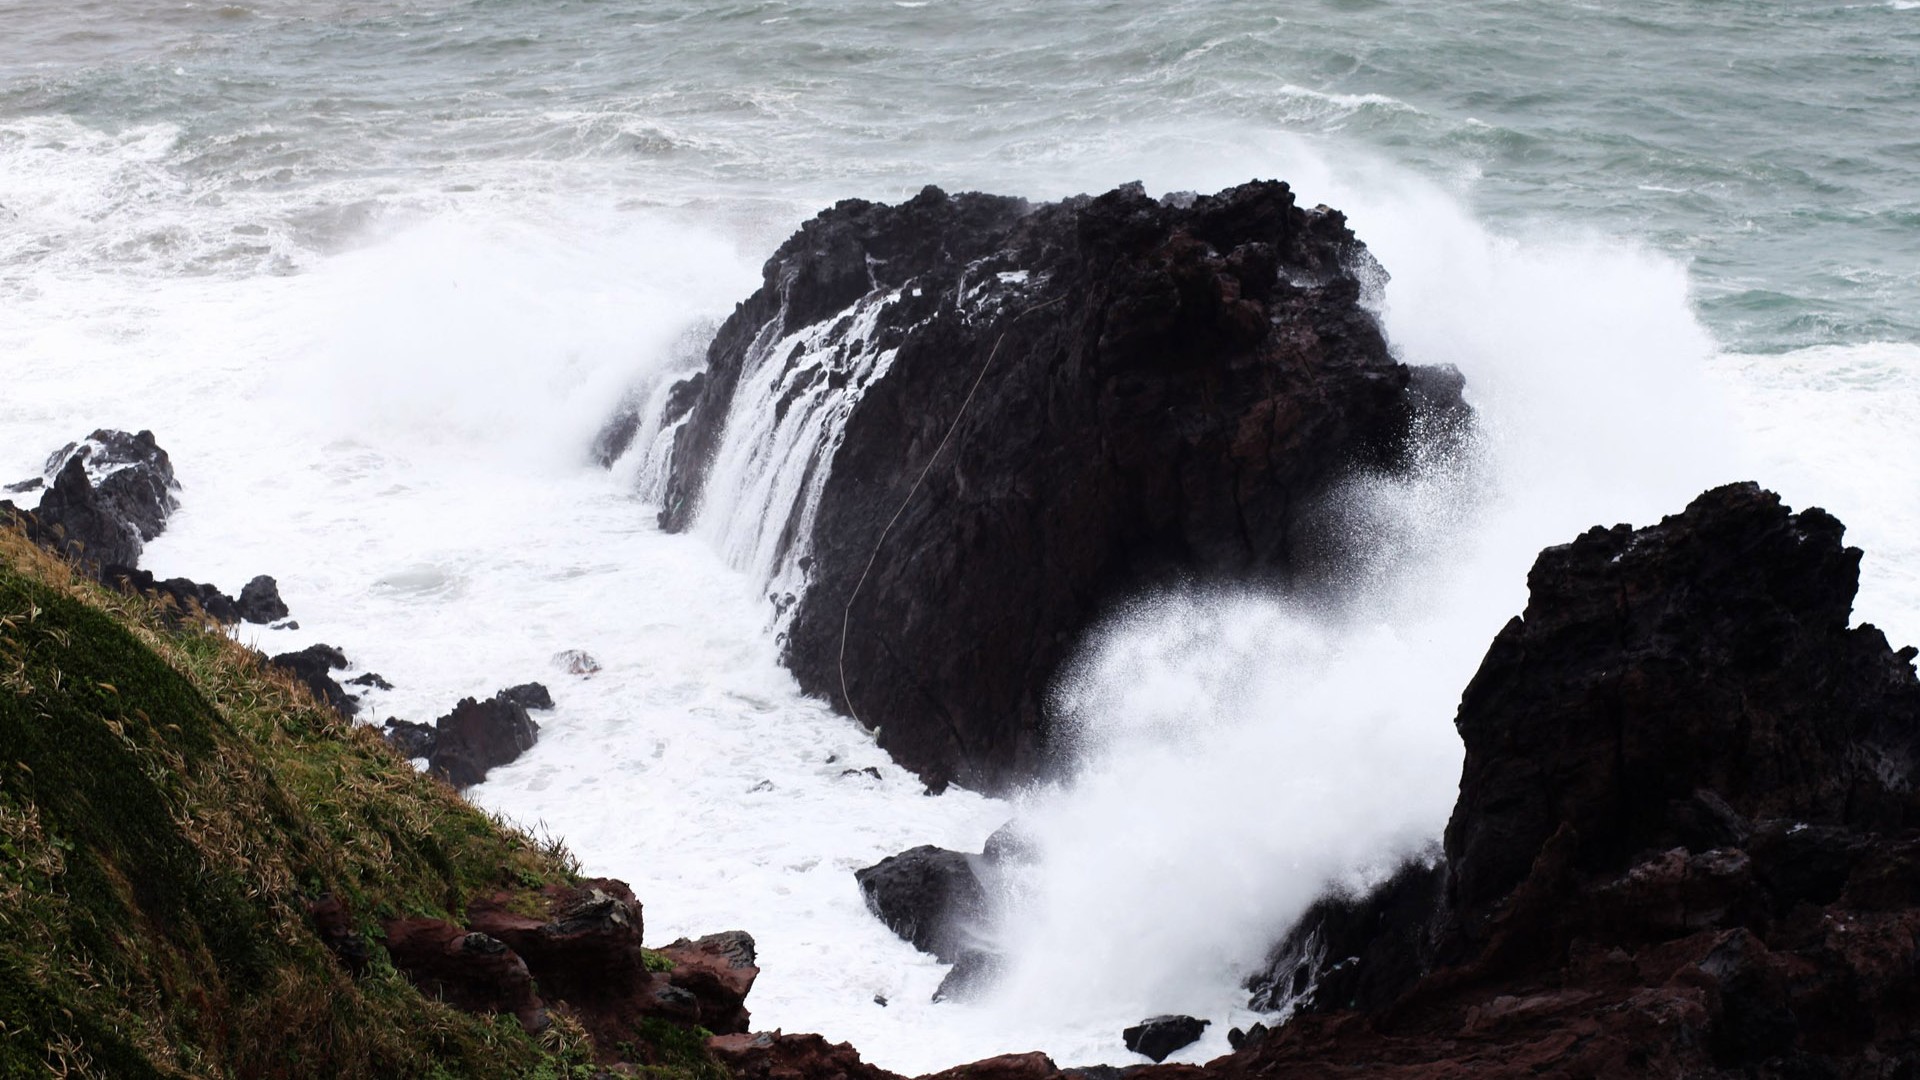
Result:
[[168, 807]]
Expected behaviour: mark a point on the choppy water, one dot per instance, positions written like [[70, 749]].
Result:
[[375, 271]]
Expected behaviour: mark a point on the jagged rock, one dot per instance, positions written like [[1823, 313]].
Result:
[[467, 969], [34, 483], [718, 970], [1355, 951], [372, 680], [1160, 1036], [529, 696], [1172, 385], [771, 1055], [412, 740], [930, 896], [1685, 834], [182, 595], [107, 496], [973, 973], [585, 950], [314, 666], [478, 736], [260, 601]]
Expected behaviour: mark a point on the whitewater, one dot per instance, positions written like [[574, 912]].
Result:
[[376, 275]]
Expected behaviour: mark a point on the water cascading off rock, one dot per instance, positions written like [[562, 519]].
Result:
[[949, 434]]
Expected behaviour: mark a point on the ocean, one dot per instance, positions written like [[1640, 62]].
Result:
[[375, 273]]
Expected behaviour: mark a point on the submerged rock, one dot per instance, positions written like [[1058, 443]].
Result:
[[529, 696], [1160, 1036], [1020, 412]]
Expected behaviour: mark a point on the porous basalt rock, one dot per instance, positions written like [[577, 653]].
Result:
[[1689, 792], [1152, 390]]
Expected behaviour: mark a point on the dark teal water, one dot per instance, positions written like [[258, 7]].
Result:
[[1772, 146]]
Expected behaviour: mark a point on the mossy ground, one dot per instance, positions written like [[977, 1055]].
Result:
[[168, 807]]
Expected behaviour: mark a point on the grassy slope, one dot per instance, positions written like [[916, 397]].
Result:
[[167, 808]]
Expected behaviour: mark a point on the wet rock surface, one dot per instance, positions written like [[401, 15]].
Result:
[[478, 736], [1160, 1036], [105, 497], [1685, 839], [929, 896], [1172, 385]]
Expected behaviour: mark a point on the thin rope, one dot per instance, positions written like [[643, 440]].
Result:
[[846, 613]]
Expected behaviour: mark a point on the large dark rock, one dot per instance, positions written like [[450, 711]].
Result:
[[1684, 840], [108, 497], [1159, 1036], [480, 735], [314, 667], [1136, 391], [260, 601], [930, 896]]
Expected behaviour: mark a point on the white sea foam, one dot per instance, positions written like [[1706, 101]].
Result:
[[399, 433]]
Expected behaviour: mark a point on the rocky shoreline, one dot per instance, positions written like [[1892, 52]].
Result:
[[1687, 840]]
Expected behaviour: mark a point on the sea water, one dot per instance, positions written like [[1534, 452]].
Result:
[[375, 273]]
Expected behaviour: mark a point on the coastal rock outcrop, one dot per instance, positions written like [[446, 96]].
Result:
[[992, 418], [1685, 840], [465, 968], [478, 736], [314, 666], [1160, 1036], [106, 496]]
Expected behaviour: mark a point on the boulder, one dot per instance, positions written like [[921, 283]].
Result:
[[1028, 1066], [1159, 1036], [260, 601], [478, 736], [372, 680], [718, 970], [314, 666], [929, 896], [1021, 413], [466, 969]]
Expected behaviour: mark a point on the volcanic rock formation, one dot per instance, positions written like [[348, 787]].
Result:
[[1018, 412], [1687, 840]]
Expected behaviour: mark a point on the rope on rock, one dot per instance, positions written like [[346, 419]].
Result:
[[846, 613]]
